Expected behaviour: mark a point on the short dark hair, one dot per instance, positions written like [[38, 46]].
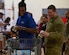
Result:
[[7, 20], [52, 7]]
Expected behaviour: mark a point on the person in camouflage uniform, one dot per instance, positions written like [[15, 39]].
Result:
[[67, 33], [54, 34]]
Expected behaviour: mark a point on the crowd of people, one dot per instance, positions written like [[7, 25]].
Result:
[[53, 32]]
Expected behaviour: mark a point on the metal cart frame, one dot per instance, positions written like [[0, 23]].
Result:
[[25, 43]]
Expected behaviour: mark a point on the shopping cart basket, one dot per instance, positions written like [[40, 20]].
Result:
[[24, 44]]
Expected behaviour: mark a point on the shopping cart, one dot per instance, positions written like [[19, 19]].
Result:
[[24, 46]]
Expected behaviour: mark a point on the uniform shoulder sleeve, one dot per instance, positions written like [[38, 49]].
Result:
[[58, 34], [59, 27]]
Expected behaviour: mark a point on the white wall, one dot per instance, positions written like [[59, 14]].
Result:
[[8, 9], [35, 6]]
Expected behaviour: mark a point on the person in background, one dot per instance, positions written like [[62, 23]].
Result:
[[67, 34], [10, 35], [2, 24], [42, 26], [7, 20], [66, 22], [43, 22], [54, 34]]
